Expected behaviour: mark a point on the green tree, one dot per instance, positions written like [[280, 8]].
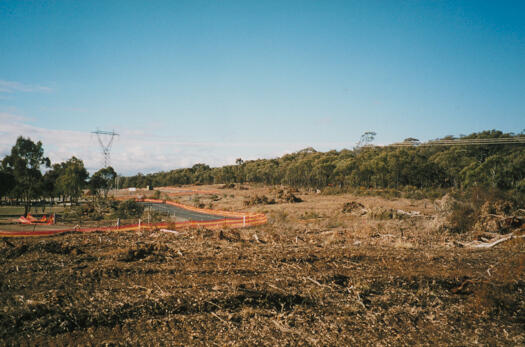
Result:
[[129, 209], [7, 183], [24, 164], [102, 181], [72, 178], [417, 165], [48, 184]]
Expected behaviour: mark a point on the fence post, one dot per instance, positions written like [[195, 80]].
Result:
[[243, 221], [139, 224]]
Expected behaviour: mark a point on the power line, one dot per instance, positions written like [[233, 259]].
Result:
[[461, 142], [105, 145]]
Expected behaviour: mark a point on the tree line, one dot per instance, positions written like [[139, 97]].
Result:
[[27, 175], [461, 166], [22, 180]]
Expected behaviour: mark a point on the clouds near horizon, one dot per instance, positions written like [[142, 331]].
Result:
[[133, 151]]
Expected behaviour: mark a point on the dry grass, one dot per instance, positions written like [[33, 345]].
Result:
[[312, 276]]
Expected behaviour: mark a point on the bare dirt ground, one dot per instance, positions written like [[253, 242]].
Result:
[[314, 275]]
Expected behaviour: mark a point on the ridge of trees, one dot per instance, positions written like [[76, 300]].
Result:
[[501, 166]]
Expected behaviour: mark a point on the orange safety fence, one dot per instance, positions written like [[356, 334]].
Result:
[[231, 220], [33, 220]]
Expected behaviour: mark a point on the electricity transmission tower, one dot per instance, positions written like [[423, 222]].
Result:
[[108, 136]]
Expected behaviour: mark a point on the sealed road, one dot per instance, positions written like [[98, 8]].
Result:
[[180, 213]]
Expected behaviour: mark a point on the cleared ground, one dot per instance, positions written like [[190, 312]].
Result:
[[312, 276]]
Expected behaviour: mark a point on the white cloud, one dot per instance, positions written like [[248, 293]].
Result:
[[13, 86], [139, 151], [133, 151]]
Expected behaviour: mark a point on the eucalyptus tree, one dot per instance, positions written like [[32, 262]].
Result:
[[72, 179], [24, 165], [102, 181]]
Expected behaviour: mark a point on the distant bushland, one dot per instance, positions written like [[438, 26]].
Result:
[[415, 168]]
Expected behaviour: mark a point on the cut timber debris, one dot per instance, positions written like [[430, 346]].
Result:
[[288, 196], [383, 213], [353, 206], [259, 200], [170, 231], [477, 244]]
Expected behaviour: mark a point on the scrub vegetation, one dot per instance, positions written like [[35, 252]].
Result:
[[415, 171]]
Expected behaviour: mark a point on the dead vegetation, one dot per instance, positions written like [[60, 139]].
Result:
[[314, 275], [259, 200], [288, 196], [282, 196], [353, 206], [493, 215]]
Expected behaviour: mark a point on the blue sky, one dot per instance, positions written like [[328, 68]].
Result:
[[211, 81]]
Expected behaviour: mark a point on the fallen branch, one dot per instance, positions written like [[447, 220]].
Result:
[[314, 281], [170, 231], [492, 244], [282, 328], [317, 283], [275, 287], [501, 216], [219, 318]]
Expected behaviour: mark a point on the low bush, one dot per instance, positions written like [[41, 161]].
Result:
[[129, 209], [259, 200], [462, 217], [481, 209], [288, 196], [310, 215], [382, 213], [352, 206]]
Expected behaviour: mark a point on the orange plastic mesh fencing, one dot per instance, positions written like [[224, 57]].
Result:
[[230, 220]]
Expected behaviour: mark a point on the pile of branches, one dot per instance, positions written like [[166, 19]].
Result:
[[288, 196], [259, 200]]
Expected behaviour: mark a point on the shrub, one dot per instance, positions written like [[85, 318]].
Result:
[[310, 215], [288, 196], [462, 217], [479, 209], [383, 213], [129, 209], [259, 200], [352, 206]]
